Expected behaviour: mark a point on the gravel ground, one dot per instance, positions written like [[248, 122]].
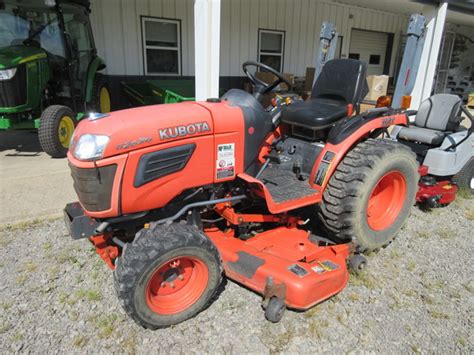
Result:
[[57, 296]]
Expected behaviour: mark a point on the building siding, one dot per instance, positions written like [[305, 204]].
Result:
[[117, 30]]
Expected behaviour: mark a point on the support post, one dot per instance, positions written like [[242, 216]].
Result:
[[425, 78], [327, 47], [207, 20]]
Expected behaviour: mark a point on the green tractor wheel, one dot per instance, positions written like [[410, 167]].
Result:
[[100, 95], [56, 128]]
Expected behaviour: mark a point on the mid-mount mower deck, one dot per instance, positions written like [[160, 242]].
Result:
[[279, 199]]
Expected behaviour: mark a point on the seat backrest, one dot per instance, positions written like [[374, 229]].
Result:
[[343, 80], [439, 112]]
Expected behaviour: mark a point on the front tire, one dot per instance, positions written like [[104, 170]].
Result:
[[370, 195], [465, 177], [56, 128], [167, 275]]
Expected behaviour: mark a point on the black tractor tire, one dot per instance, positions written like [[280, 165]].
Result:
[[52, 139], [148, 261], [275, 310], [100, 83], [464, 178], [345, 205]]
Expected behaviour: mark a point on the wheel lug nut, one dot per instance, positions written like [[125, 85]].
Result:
[[163, 284], [181, 277], [172, 284]]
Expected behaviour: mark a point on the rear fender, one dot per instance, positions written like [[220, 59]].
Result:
[[344, 137], [94, 66]]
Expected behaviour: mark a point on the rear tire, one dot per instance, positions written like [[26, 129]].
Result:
[[370, 195], [57, 125], [167, 275], [100, 101], [465, 177]]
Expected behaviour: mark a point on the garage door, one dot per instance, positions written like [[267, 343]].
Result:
[[371, 48]]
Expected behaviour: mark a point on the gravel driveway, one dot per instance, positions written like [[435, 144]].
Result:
[[57, 296]]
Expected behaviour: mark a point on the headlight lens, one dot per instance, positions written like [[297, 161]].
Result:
[[7, 74], [90, 147]]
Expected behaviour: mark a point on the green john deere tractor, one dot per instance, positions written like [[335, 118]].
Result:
[[49, 69]]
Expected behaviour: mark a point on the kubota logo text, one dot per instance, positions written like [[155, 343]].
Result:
[[182, 131]]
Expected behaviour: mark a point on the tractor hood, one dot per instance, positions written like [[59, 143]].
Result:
[[12, 56], [141, 127]]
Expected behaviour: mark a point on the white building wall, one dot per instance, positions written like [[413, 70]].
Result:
[[117, 30]]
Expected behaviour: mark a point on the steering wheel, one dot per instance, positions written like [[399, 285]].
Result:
[[261, 87]]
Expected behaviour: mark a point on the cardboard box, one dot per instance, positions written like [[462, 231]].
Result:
[[377, 86], [470, 100], [365, 107], [270, 78]]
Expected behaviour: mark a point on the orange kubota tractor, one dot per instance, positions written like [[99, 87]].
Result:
[[175, 196]]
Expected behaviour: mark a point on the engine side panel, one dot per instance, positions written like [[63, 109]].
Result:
[[229, 127], [197, 171]]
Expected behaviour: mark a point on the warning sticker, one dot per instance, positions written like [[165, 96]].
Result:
[[324, 266], [225, 164]]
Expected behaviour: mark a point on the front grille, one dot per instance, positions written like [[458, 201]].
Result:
[[94, 186], [13, 91]]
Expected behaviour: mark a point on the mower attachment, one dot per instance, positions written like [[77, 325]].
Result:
[[284, 263], [79, 225]]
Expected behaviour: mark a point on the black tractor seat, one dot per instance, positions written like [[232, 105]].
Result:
[[341, 82], [436, 118]]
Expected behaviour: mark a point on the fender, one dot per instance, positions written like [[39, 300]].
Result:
[[343, 137], [96, 64]]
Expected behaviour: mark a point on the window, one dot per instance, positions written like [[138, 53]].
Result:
[[271, 48], [161, 46], [374, 59], [354, 56]]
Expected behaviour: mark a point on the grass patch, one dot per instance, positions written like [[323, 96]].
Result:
[[423, 234], [469, 214], [53, 272], [433, 285], [437, 314], [89, 295], [5, 306], [468, 287], [129, 344], [79, 341], [354, 297], [364, 280], [409, 292], [5, 327], [31, 266], [394, 254], [17, 337], [464, 194], [66, 257], [462, 341], [310, 313], [316, 327], [29, 223], [106, 325], [47, 246], [445, 233], [21, 279], [411, 265]]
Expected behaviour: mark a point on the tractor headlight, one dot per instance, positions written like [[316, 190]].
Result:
[[7, 74], [90, 147]]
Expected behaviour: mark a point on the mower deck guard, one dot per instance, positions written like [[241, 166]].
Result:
[[284, 263]]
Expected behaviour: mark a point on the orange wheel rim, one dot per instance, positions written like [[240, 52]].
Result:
[[176, 285], [386, 200]]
